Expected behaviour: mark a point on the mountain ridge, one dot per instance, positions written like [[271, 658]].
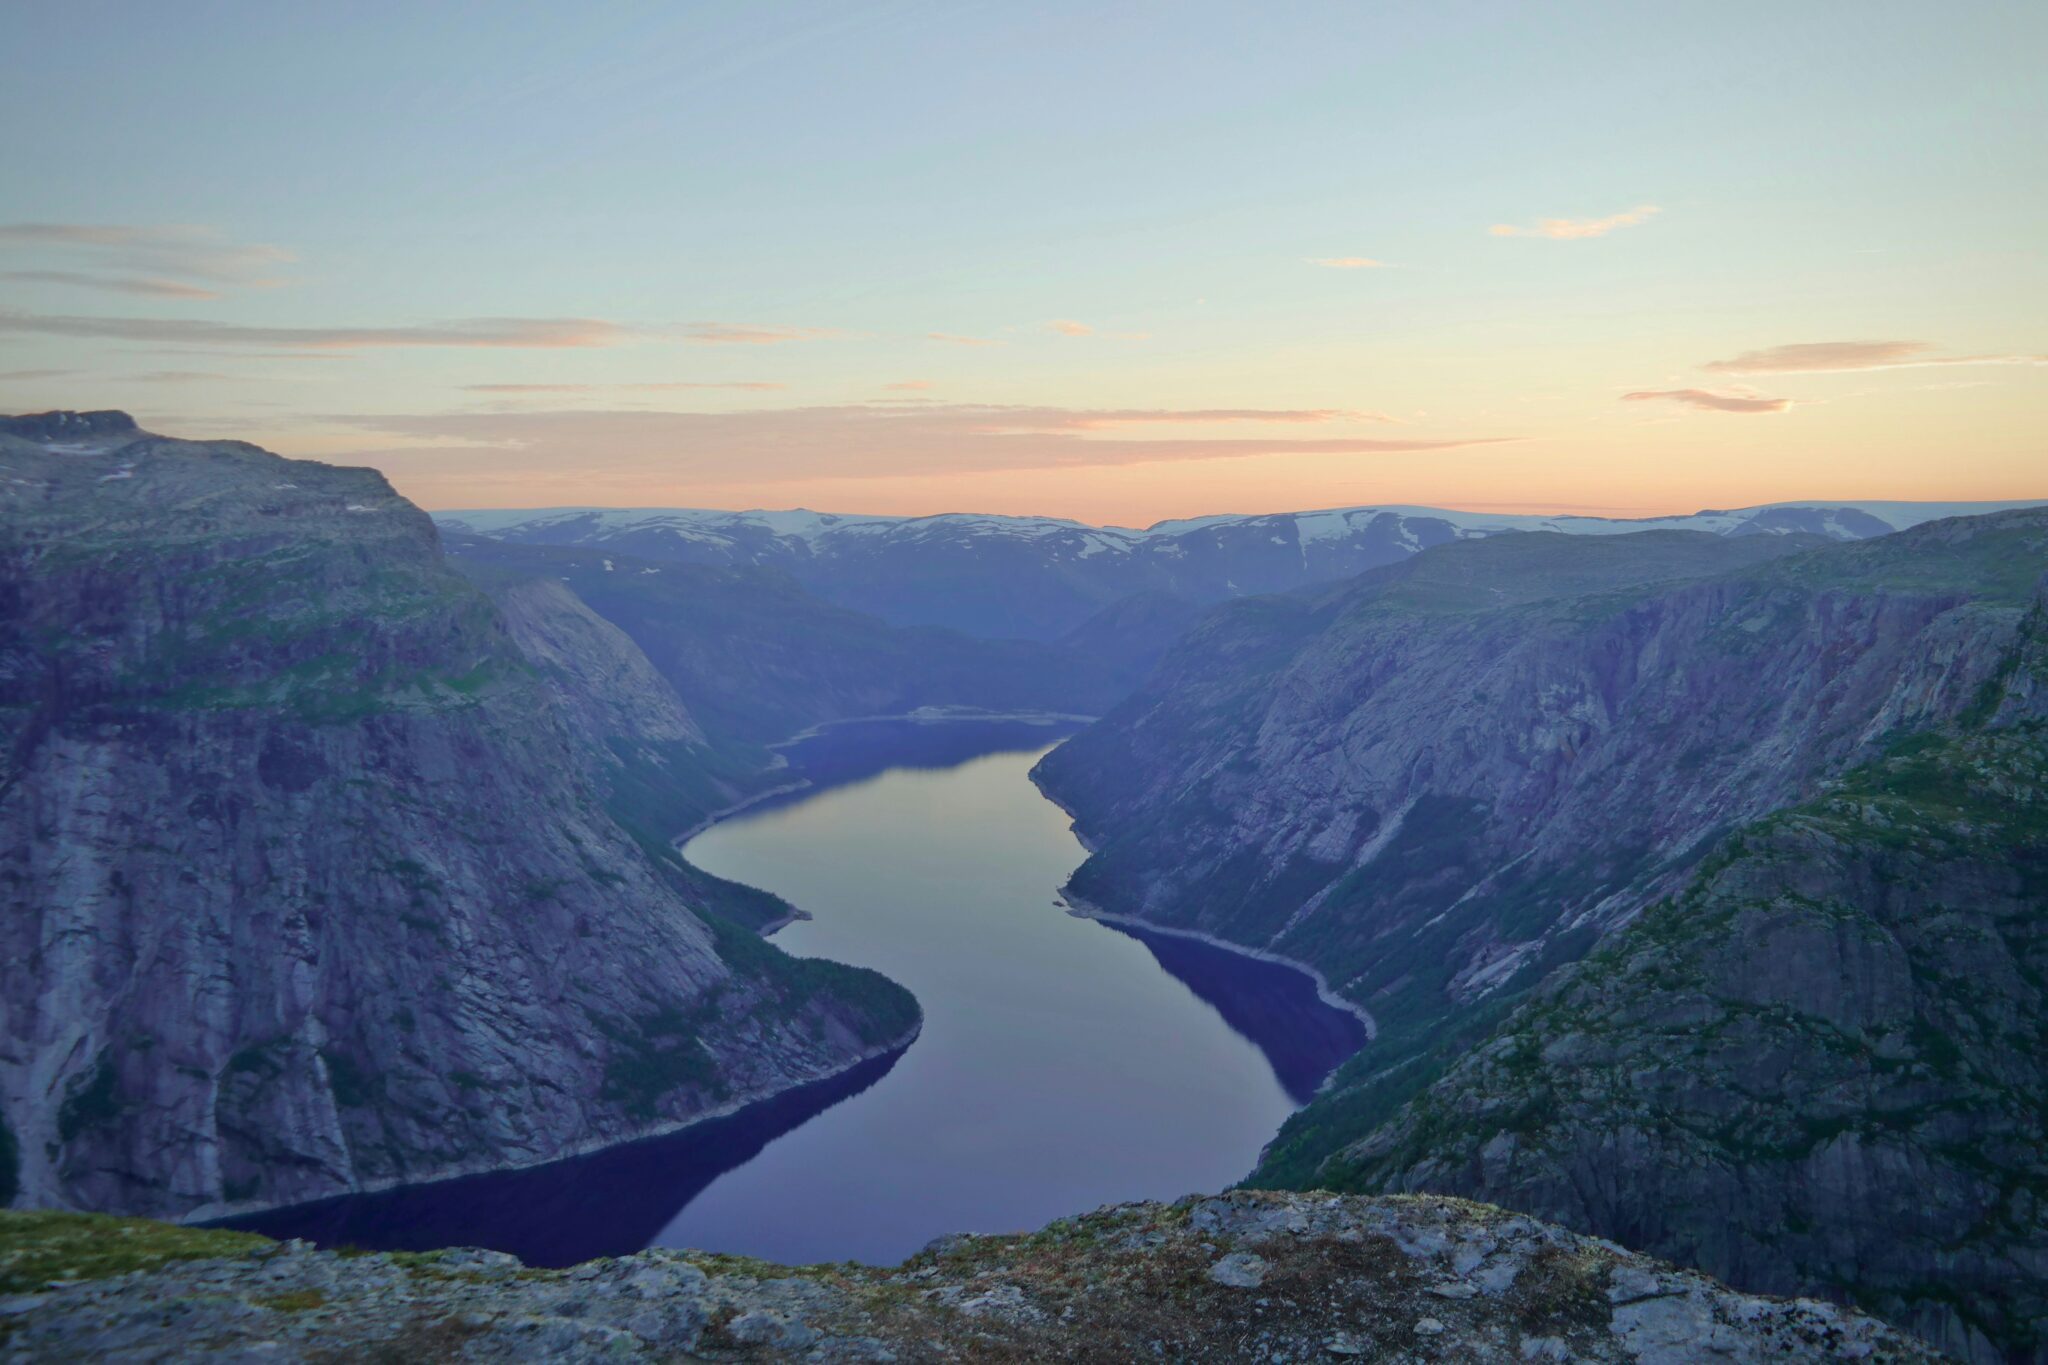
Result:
[[1444, 781], [1043, 578]]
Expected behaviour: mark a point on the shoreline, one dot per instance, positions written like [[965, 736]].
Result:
[[923, 715], [1088, 845], [215, 1214], [939, 715], [1083, 909]]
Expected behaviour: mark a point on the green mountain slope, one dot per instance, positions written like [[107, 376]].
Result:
[[1823, 1067]]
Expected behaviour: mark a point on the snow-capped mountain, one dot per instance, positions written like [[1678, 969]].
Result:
[[1043, 576]]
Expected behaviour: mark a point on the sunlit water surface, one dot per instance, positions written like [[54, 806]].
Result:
[[1063, 1064]]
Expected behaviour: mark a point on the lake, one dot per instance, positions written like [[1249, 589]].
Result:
[[1064, 1063]]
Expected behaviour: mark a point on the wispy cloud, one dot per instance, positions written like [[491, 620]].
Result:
[[1091, 419], [672, 386], [955, 339], [176, 377], [1576, 229], [909, 385], [1822, 357], [182, 351], [752, 334], [112, 284], [868, 440], [1067, 327], [161, 254], [1709, 400], [1348, 263], [509, 333], [25, 376]]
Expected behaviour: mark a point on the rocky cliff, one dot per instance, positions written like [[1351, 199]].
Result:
[[757, 657], [1449, 779], [312, 878], [1450, 775], [1242, 1277], [1822, 1068]]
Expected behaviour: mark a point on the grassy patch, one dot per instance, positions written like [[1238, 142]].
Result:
[[40, 1245]]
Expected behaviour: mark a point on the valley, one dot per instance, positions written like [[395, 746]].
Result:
[[347, 902], [1061, 1064]]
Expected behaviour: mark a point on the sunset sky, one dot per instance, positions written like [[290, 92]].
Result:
[[1114, 262]]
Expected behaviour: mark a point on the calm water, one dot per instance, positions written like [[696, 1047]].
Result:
[[1063, 1064]]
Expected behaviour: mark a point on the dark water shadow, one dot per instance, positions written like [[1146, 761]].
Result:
[[840, 755], [609, 1203], [617, 1201], [1275, 1006]]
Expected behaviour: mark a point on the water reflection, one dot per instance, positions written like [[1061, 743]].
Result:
[[1064, 1063]]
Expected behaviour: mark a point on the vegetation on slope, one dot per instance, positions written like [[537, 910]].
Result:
[[1823, 1067]]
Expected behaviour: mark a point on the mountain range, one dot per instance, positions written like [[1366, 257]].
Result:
[[1042, 577], [1693, 874], [1805, 1054]]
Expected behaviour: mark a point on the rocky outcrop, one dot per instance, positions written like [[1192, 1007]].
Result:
[[1446, 779], [311, 879], [598, 675], [1241, 1277], [1821, 1069], [1816, 1070]]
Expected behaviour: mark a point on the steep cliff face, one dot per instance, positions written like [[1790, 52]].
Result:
[[1445, 779], [311, 876], [1817, 1069], [1822, 1068], [757, 657]]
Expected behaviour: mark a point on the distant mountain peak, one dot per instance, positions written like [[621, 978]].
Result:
[[62, 425], [1041, 577]]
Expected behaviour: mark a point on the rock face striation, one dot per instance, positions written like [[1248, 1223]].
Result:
[[312, 872], [1242, 1277], [1444, 782], [1822, 1066], [1449, 774]]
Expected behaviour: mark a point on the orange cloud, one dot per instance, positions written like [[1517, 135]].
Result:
[[1821, 357], [1713, 402], [860, 441], [750, 334], [112, 284], [1576, 229], [1094, 419], [752, 384], [1067, 327], [510, 333], [909, 384], [170, 249], [1347, 263]]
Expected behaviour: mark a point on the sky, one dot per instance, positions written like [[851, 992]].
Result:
[[1117, 262]]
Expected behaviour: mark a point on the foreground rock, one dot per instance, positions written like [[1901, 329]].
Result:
[[1245, 1276]]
